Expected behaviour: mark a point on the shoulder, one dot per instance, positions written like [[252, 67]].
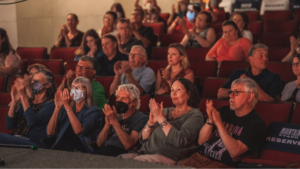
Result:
[[80, 33], [195, 112], [149, 70], [187, 71], [49, 103], [93, 109], [244, 40], [237, 73], [139, 116], [256, 119], [96, 85], [271, 75], [247, 32]]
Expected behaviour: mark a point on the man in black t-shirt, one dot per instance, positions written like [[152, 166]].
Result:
[[122, 122], [232, 131], [124, 37], [141, 32]]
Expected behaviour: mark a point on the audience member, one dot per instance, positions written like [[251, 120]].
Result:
[[124, 37], [122, 123], [32, 70], [178, 66], [231, 131], [201, 35], [117, 7], [182, 8], [294, 49], [173, 130], [290, 92], [75, 118], [86, 68], [10, 61], [31, 117], [269, 84], [241, 20], [90, 46], [134, 72], [105, 64], [182, 25], [69, 37], [151, 10], [109, 22], [141, 32], [233, 46]]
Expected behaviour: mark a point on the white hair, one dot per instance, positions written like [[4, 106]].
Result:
[[143, 52], [250, 86], [133, 92]]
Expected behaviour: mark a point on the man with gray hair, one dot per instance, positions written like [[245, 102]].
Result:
[[122, 123], [231, 131], [134, 72], [269, 84]]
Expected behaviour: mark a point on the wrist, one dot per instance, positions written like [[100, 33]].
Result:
[[160, 119], [150, 124], [67, 107]]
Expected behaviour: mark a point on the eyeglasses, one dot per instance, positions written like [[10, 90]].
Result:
[[82, 67], [133, 54], [78, 87], [297, 64], [236, 93]]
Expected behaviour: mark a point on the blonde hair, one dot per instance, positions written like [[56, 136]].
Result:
[[89, 101], [182, 52], [133, 92]]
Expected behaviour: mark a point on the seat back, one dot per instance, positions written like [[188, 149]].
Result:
[[54, 65], [278, 40], [71, 65], [197, 54], [164, 17], [217, 26], [32, 53], [3, 113], [211, 87], [282, 15], [255, 27], [24, 65], [105, 81], [65, 54], [253, 15], [5, 98], [159, 53], [166, 40], [166, 99], [227, 67], [281, 26], [283, 69], [296, 115], [58, 79], [204, 69], [217, 104], [2, 83], [158, 28], [155, 65], [277, 54]]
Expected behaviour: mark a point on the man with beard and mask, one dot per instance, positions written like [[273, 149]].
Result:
[[269, 84], [123, 122], [86, 67], [182, 25], [231, 131], [75, 119], [31, 117]]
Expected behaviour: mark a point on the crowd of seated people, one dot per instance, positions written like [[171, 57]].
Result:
[[77, 114]]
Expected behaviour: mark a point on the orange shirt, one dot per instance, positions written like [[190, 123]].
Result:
[[237, 52], [179, 30]]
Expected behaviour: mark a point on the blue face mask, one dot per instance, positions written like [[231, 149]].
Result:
[[190, 15]]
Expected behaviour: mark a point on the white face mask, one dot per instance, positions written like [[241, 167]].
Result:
[[78, 95]]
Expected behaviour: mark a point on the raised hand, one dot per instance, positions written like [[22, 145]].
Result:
[[58, 98], [117, 68], [166, 74], [20, 86], [66, 98], [156, 109], [209, 107], [216, 116], [110, 113], [294, 43], [70, 76], [15, 97], [125, 66]]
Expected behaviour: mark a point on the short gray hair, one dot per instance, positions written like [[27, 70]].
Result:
[[90, 59], [133, 91], [143, 51], [250, 86], [89, 102], [256, 46]]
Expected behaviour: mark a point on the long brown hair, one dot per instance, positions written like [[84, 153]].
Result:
[[5, 46], [83, 47]]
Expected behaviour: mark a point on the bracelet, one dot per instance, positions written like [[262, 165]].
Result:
[[147, 129], [149, 126], [69, 110], [164, 123], [207, 122]]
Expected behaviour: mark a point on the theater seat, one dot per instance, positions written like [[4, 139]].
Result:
[[71, 65], [12, 80], [253, 15], [283, 69], [217, 26], [54, 65], [58, 79], [278, 40], [274, 112], [24, 64], [159, 53], [65, 54], [282, 15], [211, 87], [155, 65], [105, 81], [2, 83], [217, 104], [5, 98], [227, 67], [30, 53], [197, 54], [166, 99], [164, 17], [3, 113], [281, 26], [158, 28], [204, 69], [166, 40], [277, 54], [296, 115]]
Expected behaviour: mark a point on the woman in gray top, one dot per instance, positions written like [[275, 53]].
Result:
[[171, 131]]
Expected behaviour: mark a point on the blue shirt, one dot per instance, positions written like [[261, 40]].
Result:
[[90, 119], [36, 121], [144, 76], [105, 67], [269, 82], [99, 53]]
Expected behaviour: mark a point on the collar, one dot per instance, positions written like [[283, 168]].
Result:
[[249, 72]]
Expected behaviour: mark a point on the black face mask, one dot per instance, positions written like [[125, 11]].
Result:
[[121, 107]]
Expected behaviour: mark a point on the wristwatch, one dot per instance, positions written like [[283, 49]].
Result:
[[207, 122]]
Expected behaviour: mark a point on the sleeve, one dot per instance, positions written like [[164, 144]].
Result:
[[275, 86], [40, 118], [11, 121], [140, 124], [253, 135], [99, 96], [246, 45], [77, 57], [231, 78], [249, 35], [77, 40], [91, 120], [287, 92], [188, 132], [147, 80], [213, 51]]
